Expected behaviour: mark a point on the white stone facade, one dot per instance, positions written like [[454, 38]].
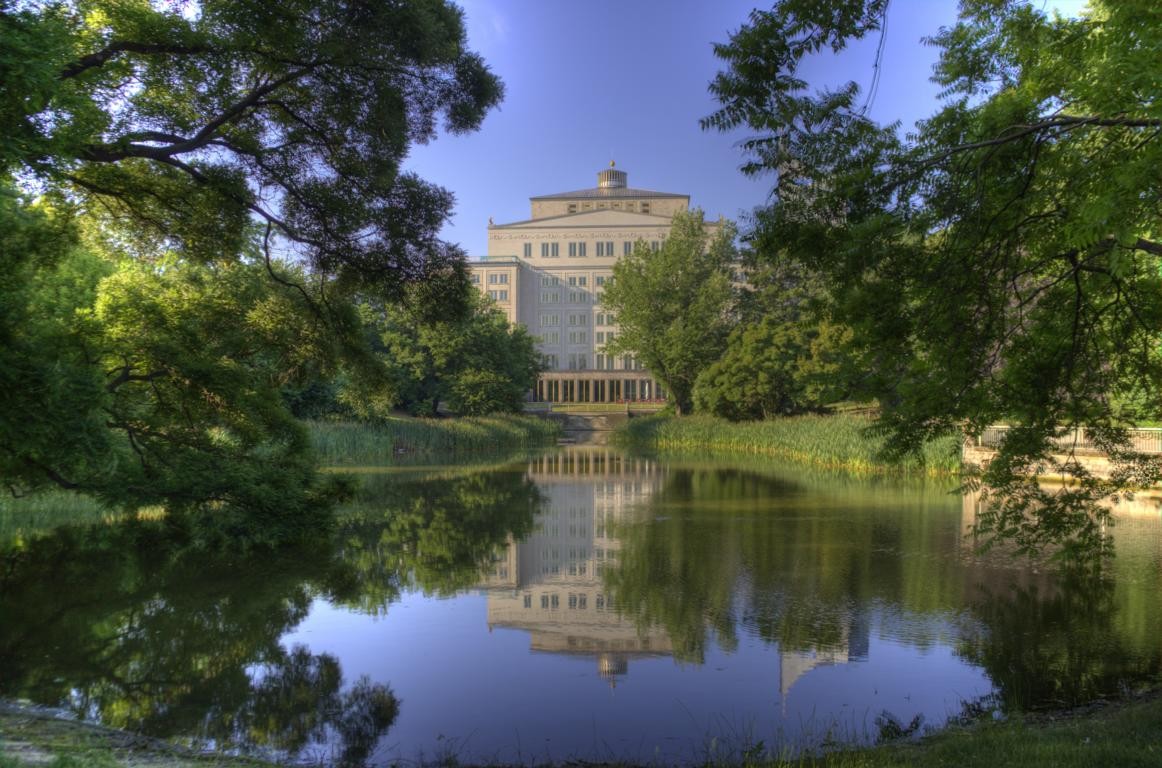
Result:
[[548, 273]]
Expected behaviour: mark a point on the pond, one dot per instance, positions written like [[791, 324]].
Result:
[[582, 605]]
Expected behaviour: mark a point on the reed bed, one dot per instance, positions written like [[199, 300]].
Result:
[[42, 511], [396, 440], [839, 442]]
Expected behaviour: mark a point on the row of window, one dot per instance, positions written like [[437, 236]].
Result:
[[551, 319], [498, 295], [579, 361], [577, 601], [605, 205], [496, 278], [575, 281], [580, 249]]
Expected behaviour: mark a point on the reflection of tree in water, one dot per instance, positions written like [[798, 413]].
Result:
[[131, 625], [127, 625], [723, 548], [1059, 644], [436, 534]]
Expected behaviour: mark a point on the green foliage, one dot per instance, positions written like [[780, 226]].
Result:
[[474, 365], [674, 305], [845, 442], [182, 126], [1002, 262], [773, 368], [157, 169]]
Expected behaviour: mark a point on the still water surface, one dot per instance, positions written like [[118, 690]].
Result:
[[580, 605]]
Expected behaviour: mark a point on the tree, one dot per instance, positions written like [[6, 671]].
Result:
[[674, 305], [774, 367], [474, 365], [1002, 263], [157, 163]]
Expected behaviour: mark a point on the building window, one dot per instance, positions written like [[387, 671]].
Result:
[[599, 337], [550, 320], [600, 361], [554, 250], [578, 337], [581, 281], [610, 319], [550, 297], [626, 248], [600, 279], [553, 337], [608, 247], [475, 279], [600, 250], [572, 250], [582, 362], [552, 362], [655, 246], [572, 280], [528, 602], [503, 295], [528, 250], [572, 208], [645, 207]]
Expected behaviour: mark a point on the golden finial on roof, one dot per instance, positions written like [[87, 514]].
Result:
[[612, 164]]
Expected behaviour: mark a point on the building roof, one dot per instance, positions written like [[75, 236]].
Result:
[[600, 218], [608, 193]]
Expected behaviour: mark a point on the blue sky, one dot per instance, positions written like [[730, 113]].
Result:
[[591, 81]]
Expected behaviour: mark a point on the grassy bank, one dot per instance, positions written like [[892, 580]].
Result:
[[349, 443], [35, 738], [840, 442], [1127, 735]]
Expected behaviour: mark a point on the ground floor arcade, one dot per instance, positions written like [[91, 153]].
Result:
[[597, 387]]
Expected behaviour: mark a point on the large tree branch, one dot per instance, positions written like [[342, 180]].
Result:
[[116, 151], [1064, 123], [117, 47]]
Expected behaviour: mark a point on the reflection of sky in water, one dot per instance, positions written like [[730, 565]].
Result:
[[535, 666], [646, 611], [480, 694]]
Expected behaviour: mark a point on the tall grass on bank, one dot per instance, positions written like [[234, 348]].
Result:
[[840, 442], [45, 510], [386, 442]]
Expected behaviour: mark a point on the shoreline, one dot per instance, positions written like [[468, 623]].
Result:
[[1123, 732]]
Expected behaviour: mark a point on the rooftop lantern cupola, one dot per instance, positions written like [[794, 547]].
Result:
[[611, 178]]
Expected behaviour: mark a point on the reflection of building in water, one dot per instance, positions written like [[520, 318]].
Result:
[[853, 647], [551, 583]]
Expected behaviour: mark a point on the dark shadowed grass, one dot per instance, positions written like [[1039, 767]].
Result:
[[842, 442]]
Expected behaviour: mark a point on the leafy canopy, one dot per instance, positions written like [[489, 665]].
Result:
[[1001, 263], [674, 305], [474, 365], [160, 165]]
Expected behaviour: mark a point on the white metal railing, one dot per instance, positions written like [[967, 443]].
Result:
[[1142, 439]]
